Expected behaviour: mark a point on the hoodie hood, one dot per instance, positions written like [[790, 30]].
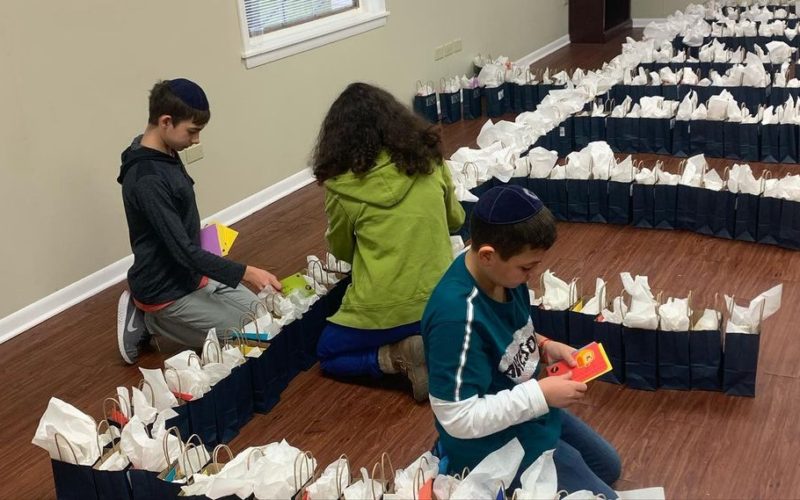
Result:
[[383, 186], [136, 153]]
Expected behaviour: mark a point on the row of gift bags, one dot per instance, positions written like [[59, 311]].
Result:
[[471, 103], [751, 97], [736, 42], [769, 143], [706, 352], [702, 69], [721, 213]]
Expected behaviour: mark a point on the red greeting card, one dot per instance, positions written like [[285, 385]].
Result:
[[592, 362]]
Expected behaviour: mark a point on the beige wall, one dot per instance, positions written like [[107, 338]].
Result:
[[650, 9], [74, 89]]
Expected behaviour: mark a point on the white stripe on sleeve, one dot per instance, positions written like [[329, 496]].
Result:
[[477, 417], [465, 345]]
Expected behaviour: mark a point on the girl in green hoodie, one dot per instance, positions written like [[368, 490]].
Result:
[[391, 207]]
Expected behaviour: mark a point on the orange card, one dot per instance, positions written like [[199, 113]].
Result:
[[592, 362]]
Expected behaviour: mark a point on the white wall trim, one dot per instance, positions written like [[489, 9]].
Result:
[[43, 309], [641, 22], [544, 51]]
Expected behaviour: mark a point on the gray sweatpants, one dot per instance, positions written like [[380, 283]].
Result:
[[188, 319]]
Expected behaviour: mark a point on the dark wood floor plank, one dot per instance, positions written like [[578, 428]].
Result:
[[695, 444]]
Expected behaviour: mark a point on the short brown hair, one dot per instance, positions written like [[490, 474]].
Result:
[[509, 240], [164, 102]]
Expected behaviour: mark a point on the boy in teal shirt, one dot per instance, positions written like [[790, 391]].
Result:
[[483, 354]]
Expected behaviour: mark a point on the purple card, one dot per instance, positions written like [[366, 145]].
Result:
[[209, 240]]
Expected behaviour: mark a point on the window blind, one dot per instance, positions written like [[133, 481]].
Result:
[[264, 16]]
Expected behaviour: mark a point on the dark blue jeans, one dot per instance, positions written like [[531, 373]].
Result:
[[350, 352], [584, 460]]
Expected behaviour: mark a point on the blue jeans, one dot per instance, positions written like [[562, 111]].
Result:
[[584, 460], [351, 352]]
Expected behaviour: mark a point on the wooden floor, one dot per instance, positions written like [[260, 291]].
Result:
[[695, 444]]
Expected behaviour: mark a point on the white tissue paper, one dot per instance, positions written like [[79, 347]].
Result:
[[642, 311], [748, 319], [496, 470], [558, 294], [539, 481], [674, 315], [617, 312], [79, 445]]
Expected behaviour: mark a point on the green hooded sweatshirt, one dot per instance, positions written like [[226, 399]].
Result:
[[395, 231]]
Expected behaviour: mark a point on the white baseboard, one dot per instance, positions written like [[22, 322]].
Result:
[[542, 52], [33, 314], [641, 22]]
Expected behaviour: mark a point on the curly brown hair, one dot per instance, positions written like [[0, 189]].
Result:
[[365, 120]]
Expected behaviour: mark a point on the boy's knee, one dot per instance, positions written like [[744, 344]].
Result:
[[612, 468]]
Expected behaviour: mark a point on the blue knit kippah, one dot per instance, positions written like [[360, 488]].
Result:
[[508, 204], [190, 93]]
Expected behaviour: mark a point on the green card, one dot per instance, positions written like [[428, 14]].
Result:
[[296, 282]]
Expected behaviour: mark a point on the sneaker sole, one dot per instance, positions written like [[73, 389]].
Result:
[[122, 308]]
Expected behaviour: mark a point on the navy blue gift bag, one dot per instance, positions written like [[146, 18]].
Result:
[[769, 220], [241, 379], [641, 358], [72, 481], [108, 483], [745, 226], [557, 196], [628, 141], [789, 232], [425, 103], [687, 206], [655, 135], [516, 103], [227, 397], [620, 202], [610, 335], [554, 325], [496, 100], [147, 485], [674, 371], [665, 203], [643, 205], [472, 106], [707, 138], [582, 129], [770, 143], [740, 363], [450, 104], [614, 134], [581, 328], [787, 143], [721, 215], [529, 93], [705, 356], [730, 136], [681, 132], [598, 200], [577, 200], [562, 138]]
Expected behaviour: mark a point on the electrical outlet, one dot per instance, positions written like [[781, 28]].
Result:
[[194, 153], [438, 52], [448, 48], [456, 45]]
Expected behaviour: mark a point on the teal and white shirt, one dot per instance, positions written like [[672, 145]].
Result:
[[482, 365]]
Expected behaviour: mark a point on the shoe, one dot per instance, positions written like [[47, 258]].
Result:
[[131, 331], [408, 358]]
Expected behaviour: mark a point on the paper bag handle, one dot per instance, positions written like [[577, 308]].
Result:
[[339, 474], [465, 170], [165, 443], [71, 448], [116, 402], [324, 280], [195, 357], [144, 383], [207, 352], [250, 456], [108, 428], [307, 460]]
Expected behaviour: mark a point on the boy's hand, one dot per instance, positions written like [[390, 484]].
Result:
[[556, 351], [261, 279], [560, 391]]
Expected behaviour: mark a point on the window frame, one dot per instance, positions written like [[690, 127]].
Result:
[[285, 42]]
